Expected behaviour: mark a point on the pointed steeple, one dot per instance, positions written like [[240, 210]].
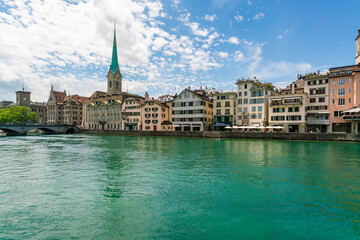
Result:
[[114, 59]]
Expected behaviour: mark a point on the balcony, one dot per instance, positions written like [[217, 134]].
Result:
[[352, 117]]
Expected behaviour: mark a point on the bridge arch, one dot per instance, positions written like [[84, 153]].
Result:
[[70, 131]]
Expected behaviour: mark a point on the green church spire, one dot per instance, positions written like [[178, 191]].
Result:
[[114, 59]]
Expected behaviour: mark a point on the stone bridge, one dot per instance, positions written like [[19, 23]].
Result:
[[23, 129]]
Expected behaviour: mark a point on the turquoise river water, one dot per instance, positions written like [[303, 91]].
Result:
[[117, 187]]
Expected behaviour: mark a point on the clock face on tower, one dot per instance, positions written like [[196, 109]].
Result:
[[24, 98]]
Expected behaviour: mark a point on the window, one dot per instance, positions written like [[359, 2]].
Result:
[[259, 116], [253, 109], [246, 101], [341, 101], [336, 113], [349, 89], [321, 91], [349, 100], [333, 82], [218, 111], [290, 109], [349, 80], [259, 108], [341, 82], [245, 94], [312, 100], [277, 118], [187, 94], [333, 91], [227, 111], [191, 104], [218, 104], [245, 86], [253, 116], [322, 99], [240, 109], [245, 109], [296, 109], [227, 119], [239, 94], [293, 118], [341, 91], [239, 101], [227, 104], [277, 110]]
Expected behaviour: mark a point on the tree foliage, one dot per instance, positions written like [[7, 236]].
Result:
[[17, 114]]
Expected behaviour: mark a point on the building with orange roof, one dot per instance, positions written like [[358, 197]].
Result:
[[63, 109]]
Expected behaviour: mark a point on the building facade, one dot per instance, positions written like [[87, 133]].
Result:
[[288, 111], [317, 109], [192, 111], [131, 112], [224, 106], [63, 109], [343, 93], [156, 116], [252, 102]]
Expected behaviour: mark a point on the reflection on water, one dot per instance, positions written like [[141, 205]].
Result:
[[82, 186]]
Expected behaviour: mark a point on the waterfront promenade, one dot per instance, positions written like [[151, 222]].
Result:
[[246, 135]]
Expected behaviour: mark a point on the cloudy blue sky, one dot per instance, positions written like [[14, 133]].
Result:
[[164, 46]]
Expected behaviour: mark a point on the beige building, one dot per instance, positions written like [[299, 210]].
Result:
[[224, 110], [131, 113], [288, 111], [192, 111], [317, 109], [156, 116], [252, 102]]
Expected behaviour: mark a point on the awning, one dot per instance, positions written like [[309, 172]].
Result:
[[357, 109], [228, 127], [220, 124]]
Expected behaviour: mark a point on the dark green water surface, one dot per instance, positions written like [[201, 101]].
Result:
[[114, 187]]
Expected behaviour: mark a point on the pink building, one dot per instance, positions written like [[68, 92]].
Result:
[[344, 95]]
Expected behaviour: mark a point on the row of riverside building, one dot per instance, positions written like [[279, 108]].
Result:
[[315, 102]]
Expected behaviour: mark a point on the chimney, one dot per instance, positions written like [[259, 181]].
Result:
[[318, 72], [200, 88], [293, 88], [189, 87]]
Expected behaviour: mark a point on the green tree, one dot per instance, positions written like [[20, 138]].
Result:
[[17, 114]]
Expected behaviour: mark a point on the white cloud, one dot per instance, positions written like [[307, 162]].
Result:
[[210, 18], [239, 18], [223, 54], [233, 40], [259, 16], [280, 36], [239, 56], [249, 2]]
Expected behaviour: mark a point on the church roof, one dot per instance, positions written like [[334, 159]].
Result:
[[114, 59]]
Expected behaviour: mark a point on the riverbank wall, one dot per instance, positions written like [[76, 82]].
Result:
[[246, 135]]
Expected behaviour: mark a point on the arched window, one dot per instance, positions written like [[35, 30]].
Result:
[[117, 85], [110, 84]]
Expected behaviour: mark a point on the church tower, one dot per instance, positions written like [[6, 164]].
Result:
[[357, 58], [114, 76]]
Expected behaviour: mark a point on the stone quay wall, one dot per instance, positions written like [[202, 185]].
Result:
[[247, 135]]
